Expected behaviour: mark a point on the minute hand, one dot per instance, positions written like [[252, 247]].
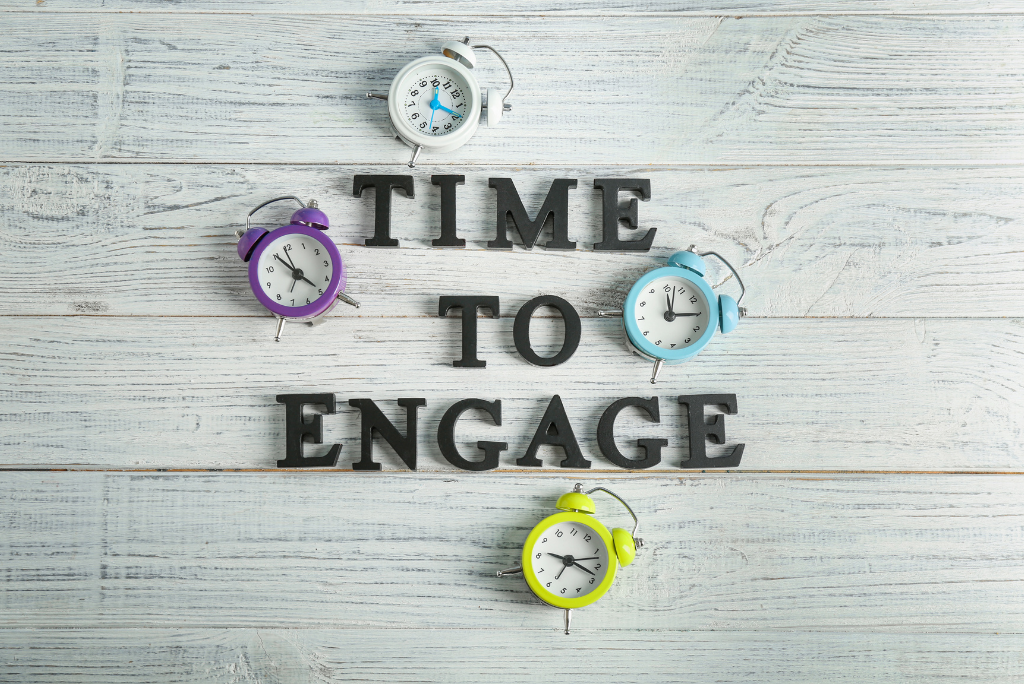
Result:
[[582, 568], [687, 314]]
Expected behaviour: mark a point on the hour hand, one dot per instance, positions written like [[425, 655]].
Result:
[[556, 555], [687, 314], [582, 568], [450, 111]]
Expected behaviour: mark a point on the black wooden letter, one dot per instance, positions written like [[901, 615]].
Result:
[[613, 213], [469, 305], [382, 204], [448, 238], [555, 429], [701, 431], [446, 435], [296, 430], [521, 330], [606, 434], [510, 205], [373, 420]]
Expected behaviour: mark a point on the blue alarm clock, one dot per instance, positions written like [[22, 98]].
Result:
[[671, 313]]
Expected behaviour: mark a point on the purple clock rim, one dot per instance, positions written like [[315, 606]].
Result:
[[325, 301]]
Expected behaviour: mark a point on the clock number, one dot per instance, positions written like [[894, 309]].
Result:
[[543, 540], [321, 291], [278, 297], [592, 579], [293, 302], [268, 283], [303, 245], [645, 332], [270, 269], [642, 318], [423, 124], [456, 93], [673, 344], [652, 290], [693, 300], [538, 555], [578, 589], [696, 328], [415, 115], [435, 83], [686, 340], [461, 104], [563, 589], [327, 279], [540, 571], [668, 288], [326, 263], [316, 252], [447, 85], [597, 550], [434, 129], [447, 127], [597, 567], [423, 84], [548, 584], [643, 303], [658, 342], [558, 533], [307, 300], [288, 247], [573, 532], [586, 537]]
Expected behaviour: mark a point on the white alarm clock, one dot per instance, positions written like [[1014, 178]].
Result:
[[435, 102]]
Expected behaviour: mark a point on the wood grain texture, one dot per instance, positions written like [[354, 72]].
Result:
[[159, 240], [830, 394], [454, 8], [688, 90], [144, 656], [883, 554]]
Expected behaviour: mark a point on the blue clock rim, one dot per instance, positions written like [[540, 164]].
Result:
[[636, 337], [322, 303]]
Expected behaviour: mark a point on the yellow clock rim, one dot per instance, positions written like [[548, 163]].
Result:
[[535, 584]]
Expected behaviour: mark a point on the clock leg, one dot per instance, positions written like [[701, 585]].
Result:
[[510, 571], [568, 619], [348, 300], [657, 369], [415, 156], [280, 327]]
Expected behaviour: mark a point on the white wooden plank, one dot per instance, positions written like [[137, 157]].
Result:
[[901, 554], [696, 90], [142, 656], [611, 8], [156, 240], [830, 394]]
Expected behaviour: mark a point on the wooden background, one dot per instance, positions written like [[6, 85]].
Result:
[[861, 162]]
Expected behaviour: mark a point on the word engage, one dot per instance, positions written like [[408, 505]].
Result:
[[554, 429], [510, 209]]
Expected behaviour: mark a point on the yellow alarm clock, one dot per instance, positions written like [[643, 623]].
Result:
[[570, 559]]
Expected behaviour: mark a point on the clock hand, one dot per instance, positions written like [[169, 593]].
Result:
[[290, 262], [687, 314], [556, 555], [669, 314], [560, 572], [672, 304], [450, 111], [433, 110], [591, 558], [583, 568]]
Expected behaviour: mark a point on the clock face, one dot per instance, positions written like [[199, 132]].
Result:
[[295, 270], [434, 100], [671, 313], [569, 560]]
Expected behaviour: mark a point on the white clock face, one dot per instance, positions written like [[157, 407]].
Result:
[[672, 313], [435, 100], [295, 270], [570, 559]]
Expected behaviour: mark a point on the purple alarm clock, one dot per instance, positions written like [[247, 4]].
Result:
[[295, 270]]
